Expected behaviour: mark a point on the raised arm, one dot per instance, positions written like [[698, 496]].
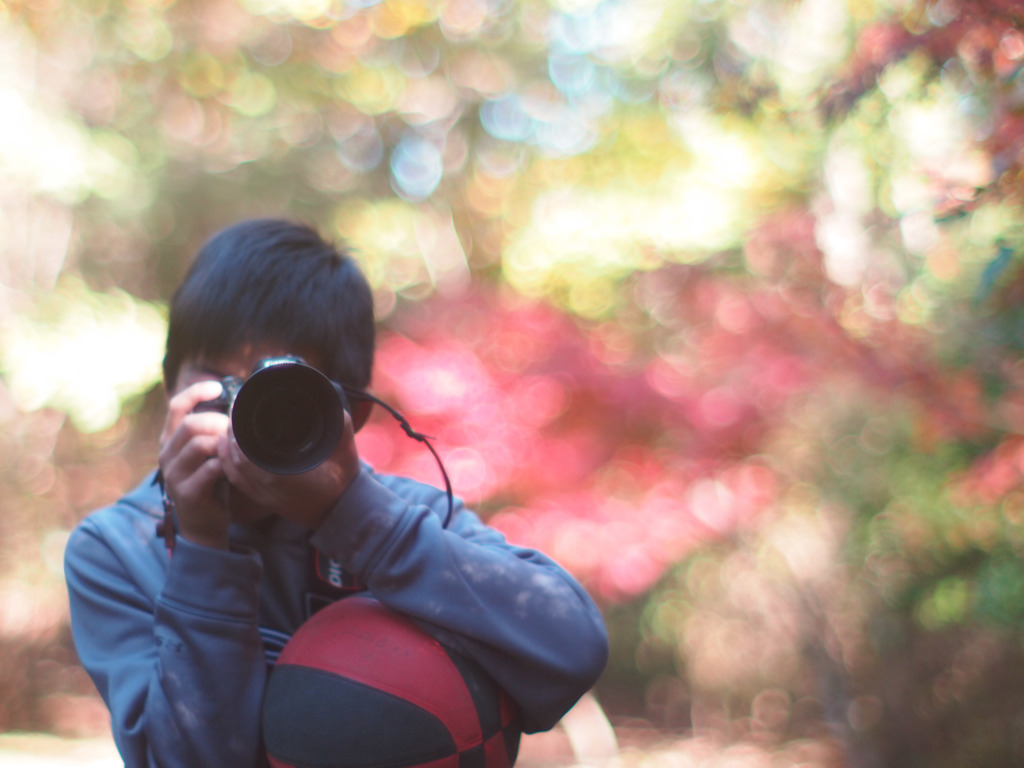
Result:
[[513, 610]]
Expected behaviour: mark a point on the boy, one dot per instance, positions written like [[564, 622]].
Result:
[[179, 642]]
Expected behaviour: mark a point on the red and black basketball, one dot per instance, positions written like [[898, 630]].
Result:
[[361, 686]]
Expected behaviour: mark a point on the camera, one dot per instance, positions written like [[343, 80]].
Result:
[[287, 416]]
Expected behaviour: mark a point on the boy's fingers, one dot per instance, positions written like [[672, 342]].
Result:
[[183, 403], [240, 472], [199, 425]]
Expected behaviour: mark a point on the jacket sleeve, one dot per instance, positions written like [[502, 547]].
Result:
[[513, 610], [179, 662]]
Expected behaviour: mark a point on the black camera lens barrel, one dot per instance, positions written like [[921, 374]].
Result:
[[288, 417]]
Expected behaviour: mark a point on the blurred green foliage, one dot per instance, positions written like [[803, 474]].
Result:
[[718, 302]]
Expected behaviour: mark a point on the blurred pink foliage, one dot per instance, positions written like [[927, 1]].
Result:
[[555, 443], [619, 458]]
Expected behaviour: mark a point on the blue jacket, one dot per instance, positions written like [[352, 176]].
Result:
[[179, 645]]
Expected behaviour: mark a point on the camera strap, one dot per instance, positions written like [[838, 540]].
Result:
[[358, 394], [168, 527]]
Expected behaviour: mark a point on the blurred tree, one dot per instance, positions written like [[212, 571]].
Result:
[[719, 303]]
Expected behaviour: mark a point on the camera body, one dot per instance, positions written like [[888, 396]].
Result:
[[287, 417], [222, 403]]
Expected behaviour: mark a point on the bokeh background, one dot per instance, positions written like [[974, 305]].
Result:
[[717, 302]]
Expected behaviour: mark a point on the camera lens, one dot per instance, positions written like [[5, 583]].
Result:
[[287, 421], [288, 418]]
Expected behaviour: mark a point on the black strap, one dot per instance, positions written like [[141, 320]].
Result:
[[358, 394], [166, 528]]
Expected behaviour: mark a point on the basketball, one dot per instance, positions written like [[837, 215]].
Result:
[[361, 686]]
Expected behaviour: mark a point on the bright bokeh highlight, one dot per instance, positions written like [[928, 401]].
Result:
[[90, 354]]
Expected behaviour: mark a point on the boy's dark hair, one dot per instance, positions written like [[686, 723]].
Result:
[[274, 281]]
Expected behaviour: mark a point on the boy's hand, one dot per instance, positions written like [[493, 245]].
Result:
[[304, 498], [190, 462]]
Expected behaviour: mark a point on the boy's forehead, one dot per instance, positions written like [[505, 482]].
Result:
[[241, 361]]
